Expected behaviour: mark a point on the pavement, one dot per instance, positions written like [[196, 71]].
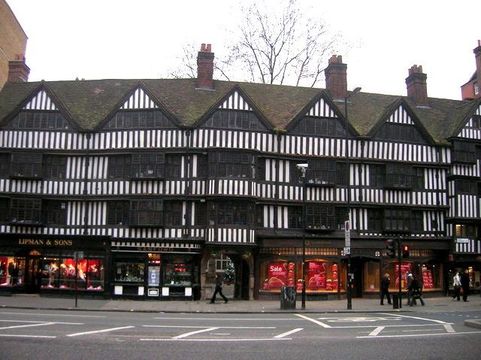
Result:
[[359, 305]]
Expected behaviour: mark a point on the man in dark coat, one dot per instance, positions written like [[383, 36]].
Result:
[[218, 289], [386, 280], [465, 285]]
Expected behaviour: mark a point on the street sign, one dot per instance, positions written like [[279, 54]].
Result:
[[347, 234], [347, 250]]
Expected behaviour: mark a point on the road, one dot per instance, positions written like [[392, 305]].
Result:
[[44, 334]]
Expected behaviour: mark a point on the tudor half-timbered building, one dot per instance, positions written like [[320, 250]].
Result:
[[147, 188]]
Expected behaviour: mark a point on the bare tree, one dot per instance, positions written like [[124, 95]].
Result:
[[287, 47]]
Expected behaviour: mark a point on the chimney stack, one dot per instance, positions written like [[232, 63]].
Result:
[[417, 86], [18, 71], [205, 67], [477, 54], [336, 78]]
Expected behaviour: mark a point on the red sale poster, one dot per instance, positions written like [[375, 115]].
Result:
[[316, 275], [276, 275]]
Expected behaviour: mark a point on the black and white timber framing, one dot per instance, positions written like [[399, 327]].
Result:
[[270, 190]]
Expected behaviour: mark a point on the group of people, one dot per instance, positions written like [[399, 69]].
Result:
[[414, 288], [461, 285]]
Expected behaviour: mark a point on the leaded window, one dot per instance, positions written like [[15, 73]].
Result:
[[377, 175], [148, 165], [234, 120], [375, 220], [320, 217], [331, 127], [55, 212], [397, 220], [231, 213], [119, 167], [118, 212], [466, 186], [464, 152], [173, 166], [4, 209], [417, 221], [295, 217], [54, 167], [139, 119], [25, 211], [146, 213], [4, 165], [173, 211], [231, 164], [400, 132], [38, 120], [399, 176], [26, 165]]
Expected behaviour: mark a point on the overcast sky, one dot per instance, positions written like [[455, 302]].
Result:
[[99, 39]]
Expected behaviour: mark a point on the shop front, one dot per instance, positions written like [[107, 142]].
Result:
[[55, 264], [156, 270], [282, 266]]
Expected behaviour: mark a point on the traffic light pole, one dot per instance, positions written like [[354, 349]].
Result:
[[399, 257]]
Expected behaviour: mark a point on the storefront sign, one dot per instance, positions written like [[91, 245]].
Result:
[[45, 242]]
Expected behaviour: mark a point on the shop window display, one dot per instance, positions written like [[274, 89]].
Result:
[[11, 271], [178, 274], [129, 272], [321, 276], [372, 276], [61, 274]]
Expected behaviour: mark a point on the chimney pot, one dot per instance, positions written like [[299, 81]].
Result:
[[417, 86], [336, 77], [205, 67], [18, 71]]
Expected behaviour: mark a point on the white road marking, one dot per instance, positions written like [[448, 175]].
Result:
[[29, 336], [220, 340], [449, 328], [376, 331], [417, 335], [293, 331], [226, 319], [314, 321], [100, 331], [40, 322], [203, 327], [195, 332], [421, 318], [52, 315], [25, 326]]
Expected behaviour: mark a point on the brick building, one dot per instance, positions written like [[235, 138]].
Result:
[[13, 41]]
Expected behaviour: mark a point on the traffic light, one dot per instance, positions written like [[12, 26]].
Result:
[[390, 248], [405, 251]]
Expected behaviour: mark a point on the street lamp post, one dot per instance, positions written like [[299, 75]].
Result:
[[303, 168], [348, 201]]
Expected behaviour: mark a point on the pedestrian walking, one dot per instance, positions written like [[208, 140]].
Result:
[[409, 280], [218, 289], [465, 285], [457, 285], [415, 291], [385, 282]]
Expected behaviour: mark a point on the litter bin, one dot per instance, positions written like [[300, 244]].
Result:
[[395, 301], [288, 297]]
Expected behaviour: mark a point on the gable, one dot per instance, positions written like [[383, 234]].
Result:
[[42, 102], [139, 111], [39, 113], [321, 109], [320, 118], [400, 125], [139, 100], [235, 112], [472, 128], [235, 102]]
